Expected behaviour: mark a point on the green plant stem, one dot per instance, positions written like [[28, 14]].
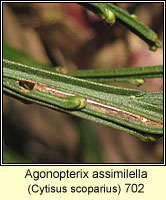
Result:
[[131, 75], [111, 106], [122, 16]]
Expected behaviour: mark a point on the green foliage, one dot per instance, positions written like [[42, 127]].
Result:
[[82, 93], [129, 114], [132, 23]]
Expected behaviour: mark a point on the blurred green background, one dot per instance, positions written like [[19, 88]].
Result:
[[65, 34]]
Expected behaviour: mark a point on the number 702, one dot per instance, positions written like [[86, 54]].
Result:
[[134, 188]]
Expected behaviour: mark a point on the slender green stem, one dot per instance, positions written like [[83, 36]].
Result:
[[131, 75], [130, 21], [116, 107]]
